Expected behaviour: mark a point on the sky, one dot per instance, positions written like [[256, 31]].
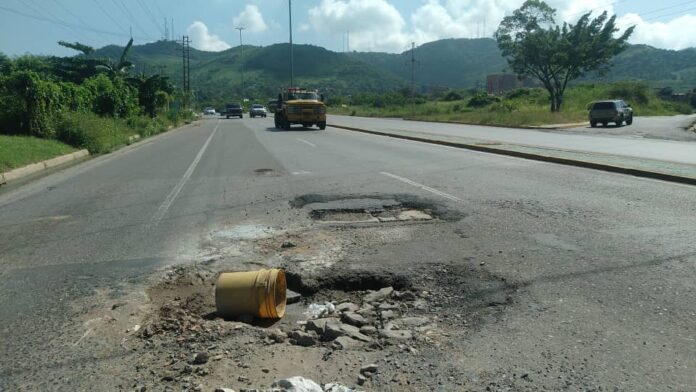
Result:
[[35, 26]]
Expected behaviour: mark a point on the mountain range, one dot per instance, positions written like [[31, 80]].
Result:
[[450, 63]]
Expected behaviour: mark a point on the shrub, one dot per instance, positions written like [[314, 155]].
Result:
[[630, 92], [90, 131], [112, 98], [453, 96], [481, 99], [29, 105]]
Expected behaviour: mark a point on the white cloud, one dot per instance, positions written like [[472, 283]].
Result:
[[374, 25], [202, 39], [678, 33], [304, 27], [377, 25], [250, 18]]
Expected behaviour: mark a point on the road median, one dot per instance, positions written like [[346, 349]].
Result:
[[640, 167]]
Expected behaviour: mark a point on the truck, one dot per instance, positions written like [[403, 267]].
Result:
[[300, 106]]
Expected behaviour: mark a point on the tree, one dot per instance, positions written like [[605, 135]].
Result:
[[122, 66], [153, 92], [534, 45]]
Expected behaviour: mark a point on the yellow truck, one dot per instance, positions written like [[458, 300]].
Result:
[[300, 106]]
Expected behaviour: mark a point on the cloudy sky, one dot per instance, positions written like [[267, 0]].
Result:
[[34, 26]]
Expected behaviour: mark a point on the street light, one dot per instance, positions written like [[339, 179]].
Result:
[[241, 55]]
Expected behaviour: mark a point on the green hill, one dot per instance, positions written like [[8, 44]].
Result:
[[453, 63]]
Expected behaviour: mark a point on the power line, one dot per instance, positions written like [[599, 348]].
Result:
[[68, 12], [109, 15], [126, 12], [667, 8], [669, 14], [40, 12], [150, 15], [65, 24]]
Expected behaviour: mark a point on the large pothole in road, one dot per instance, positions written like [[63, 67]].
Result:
[[373, 208]]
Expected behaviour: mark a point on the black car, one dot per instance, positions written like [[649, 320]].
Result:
[[233, 110], [615, 110]]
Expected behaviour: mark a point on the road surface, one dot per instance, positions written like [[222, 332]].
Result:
[[604, 262], [662, 150]]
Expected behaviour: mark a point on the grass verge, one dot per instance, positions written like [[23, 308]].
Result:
[[522, 107], [18, 151]]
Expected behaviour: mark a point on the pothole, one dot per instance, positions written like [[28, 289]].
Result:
[[263, 171], [344, 279], [373, 208]]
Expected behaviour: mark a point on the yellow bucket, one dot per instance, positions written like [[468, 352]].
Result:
[[258, 293]]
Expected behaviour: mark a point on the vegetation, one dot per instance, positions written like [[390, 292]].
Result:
[[521, 107], [86, 102], [534, 45], [17, 151]]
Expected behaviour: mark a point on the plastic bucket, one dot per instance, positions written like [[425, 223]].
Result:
[[259, 293]]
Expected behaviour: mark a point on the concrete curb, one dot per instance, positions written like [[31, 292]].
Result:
[[33, 168], [536, 157], [542, 127]]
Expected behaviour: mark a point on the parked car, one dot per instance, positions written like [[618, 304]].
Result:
[[209, 111], [615, 110], [257, 111], [233, 110]]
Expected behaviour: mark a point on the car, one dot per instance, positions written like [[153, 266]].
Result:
[[615, 110], [209, 111], [233, 110], [272, 105], [257, 111]]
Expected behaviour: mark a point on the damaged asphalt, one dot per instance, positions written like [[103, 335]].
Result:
[[536, 276]]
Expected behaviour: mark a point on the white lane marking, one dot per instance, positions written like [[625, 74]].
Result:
[[162, 210], [306, 142], [423, 187], [298, 172]]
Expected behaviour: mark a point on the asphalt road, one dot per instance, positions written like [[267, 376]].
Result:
[[606, 261], [577, 139]]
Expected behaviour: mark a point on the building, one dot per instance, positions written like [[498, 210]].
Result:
[[501, 83]]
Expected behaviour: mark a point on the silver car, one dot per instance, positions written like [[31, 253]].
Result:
[[257, 111]]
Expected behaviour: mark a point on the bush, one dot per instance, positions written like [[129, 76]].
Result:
[[29, 105], [112, 98], [638, 93], [453, 96], [90, 131], [481, 99]]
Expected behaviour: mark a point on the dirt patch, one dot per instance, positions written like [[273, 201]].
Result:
[[344, 279]]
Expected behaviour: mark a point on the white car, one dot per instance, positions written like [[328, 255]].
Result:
[[209, 111], [257, 111]]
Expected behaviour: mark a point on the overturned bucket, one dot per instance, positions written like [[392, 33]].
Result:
[[259, 293]]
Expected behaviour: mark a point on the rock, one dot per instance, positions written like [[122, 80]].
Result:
[[335, 329], [333, 387], [266, 370], [347, 307], [420, 304], [140, 388], [319, 325], [288, 244], [345, 343], [387, 314], [297, 384], [292, 297], [243, 379], [224, 390], [302, 338], [387, 306], [368, 330], [366, 310], [379, 295], [353, 319], [200, 358], [413, 215], [361, 379], [404, 295], [396, 334], [277, 335], [371, 368], [412, 322]]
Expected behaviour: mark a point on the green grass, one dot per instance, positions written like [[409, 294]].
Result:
[[527, 107], [18, 151]]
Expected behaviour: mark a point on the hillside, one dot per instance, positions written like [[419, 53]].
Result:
[[454, 63], [216, 76]]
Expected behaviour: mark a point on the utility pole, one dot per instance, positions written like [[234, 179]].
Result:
[[413, 79], [348, 41], [241, 55], [292, 61], [166, 30], [186, 69]]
